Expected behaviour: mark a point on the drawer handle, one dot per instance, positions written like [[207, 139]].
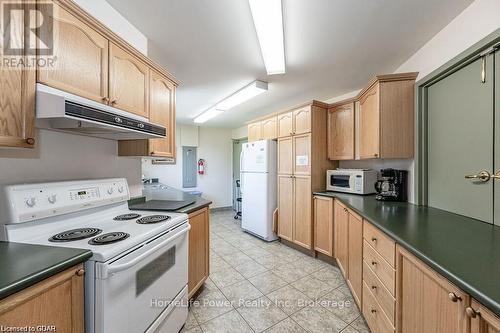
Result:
[[471, 313], [453, 297], [374, 239], [80, 272]]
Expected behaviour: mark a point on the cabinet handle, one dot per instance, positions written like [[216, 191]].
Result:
[[105, 99], [471, 313], [113, 102], [374, 287], [374, 263], [375, 155], [453, 297], [374, 239], [80, 272], [373, 311], [30, 141]]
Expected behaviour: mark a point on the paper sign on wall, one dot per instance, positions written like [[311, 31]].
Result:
[[302, 160]]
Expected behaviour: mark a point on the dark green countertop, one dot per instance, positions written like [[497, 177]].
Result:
[[162, 192], [464, 250], [22, 265]]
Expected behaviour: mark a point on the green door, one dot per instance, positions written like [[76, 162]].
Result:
[[460, 125], [496, 169]]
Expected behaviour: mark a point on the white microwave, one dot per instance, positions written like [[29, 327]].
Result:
[[357, 181]]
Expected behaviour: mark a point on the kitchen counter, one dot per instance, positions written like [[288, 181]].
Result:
[[462, 249], [158, 191], [23, 265]]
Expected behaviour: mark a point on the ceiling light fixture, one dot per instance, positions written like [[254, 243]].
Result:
[[268, 20], [244, 94]]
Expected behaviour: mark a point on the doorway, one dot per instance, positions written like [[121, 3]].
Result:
[[237, 147]]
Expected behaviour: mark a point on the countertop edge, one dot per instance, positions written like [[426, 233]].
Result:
[[474, 293], [39, 276]]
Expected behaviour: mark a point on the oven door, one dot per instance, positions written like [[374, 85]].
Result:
[[131, 292], [341, 182]]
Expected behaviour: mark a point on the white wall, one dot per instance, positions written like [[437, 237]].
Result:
[[60, 156], [240, 132], [215, 147], [110, 17]]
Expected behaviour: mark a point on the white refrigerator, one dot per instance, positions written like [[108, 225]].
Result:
[[258, 188]]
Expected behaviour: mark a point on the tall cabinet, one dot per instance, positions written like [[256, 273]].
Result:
[[302, 163]]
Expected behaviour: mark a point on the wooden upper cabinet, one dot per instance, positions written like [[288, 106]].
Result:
[[17, 97], [302, 120], [285, 204], [482, 320], [425, 301], [369, 124], [285, 124], [323, 225], [269, 128], [302, 154], [162, 112], [341, 236], [302, 204], [128, 82], [341, 132], [81, 53], [255, 131]]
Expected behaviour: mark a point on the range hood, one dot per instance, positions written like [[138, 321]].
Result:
[[62, 111]]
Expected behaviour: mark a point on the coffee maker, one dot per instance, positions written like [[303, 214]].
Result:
[[392, 186]]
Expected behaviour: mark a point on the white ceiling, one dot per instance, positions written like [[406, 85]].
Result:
[[332, 47]]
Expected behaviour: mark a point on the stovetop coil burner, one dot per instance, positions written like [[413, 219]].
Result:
[[151, 219], [126, 217], [111, 237], [75, 234]]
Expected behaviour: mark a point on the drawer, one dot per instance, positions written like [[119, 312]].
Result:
[[384, 245], [375, 317], [381, 268], [379, 291]]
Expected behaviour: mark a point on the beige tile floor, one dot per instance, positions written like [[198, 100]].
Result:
[[256, 286]]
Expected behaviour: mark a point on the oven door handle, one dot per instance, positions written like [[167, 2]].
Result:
[[111, 269]]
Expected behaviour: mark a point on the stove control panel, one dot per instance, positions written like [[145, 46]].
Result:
[[36, 201]]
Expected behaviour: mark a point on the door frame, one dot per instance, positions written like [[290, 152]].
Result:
[[463, 59]]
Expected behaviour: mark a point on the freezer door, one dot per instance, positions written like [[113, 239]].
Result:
[[255, 156]]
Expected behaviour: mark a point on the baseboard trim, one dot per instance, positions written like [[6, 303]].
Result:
[[221, 209]]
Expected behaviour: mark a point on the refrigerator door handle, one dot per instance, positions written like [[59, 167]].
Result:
[[241, 171]]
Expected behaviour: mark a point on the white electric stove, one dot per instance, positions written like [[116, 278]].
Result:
[[136, 280]]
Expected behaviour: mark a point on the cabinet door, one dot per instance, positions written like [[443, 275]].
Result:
[[341, 234], [482, 320], [128, 82], [341, 132], [302, 217], [425, 301], [254, 131], [285, 156], [285, 124], [17, 96], [285, 207], [81, 65], [323, 225], [199, 250], [270, 128], [302, 120], [56, 301], [355, 256], [302, 154], [369, 124], [162, 112]]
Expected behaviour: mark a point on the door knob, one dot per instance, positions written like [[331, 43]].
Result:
[[482, 176], [471, 313]]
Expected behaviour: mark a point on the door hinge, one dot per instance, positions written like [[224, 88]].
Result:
[[483, 56]]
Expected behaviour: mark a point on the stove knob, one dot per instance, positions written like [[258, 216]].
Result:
[[53, 198], [110, 190], [31, 202], [120, 189]]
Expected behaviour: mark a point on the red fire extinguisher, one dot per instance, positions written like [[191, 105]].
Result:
[[201, 166]]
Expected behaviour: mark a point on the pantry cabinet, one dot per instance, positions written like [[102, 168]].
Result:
[[128, 82], [17, 97], [323, 225], [199, 250], [426, 302], [81, 53], [255, 131], [56, 301], [302, 163], [481, 319], [341, 132]]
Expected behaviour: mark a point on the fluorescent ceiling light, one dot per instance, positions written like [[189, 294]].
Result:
[[253, 89], [268, 20], [207, 115]]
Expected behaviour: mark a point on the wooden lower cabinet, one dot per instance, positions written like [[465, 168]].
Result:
[[426, 301], [355, 258], [285, 204], [341, 236], [199, 250], [56, 301], [323, 225], [482, 320]]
